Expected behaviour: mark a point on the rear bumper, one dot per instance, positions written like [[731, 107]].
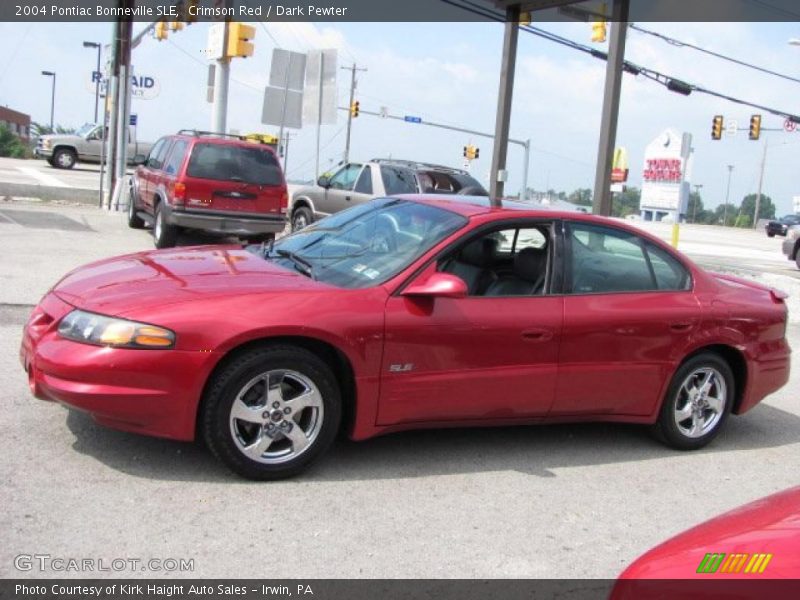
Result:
[[153, 392], [226, 223]]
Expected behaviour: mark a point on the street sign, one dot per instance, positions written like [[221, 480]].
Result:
[[789, 126], [134, 119], [215, 47], [412, 119], [320, 106], [731, 127], [283, 97], [143, 87]]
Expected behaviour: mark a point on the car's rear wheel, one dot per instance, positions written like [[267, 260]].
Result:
[[164, 234], [134, 220], [698, 402], [64, 158], [272, 412], [770, 234], [301, 218]]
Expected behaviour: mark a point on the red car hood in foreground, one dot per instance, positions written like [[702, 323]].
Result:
[[167, 276], [760, 542]]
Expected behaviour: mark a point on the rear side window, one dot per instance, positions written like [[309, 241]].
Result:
[[669, 273], [176, 157], [397, 180], [234, 163]]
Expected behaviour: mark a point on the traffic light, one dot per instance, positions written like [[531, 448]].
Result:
[[354, 108], [476, 151], [175, 25], [239, 36], [524, 18], [755, 127], [161, 31], [599, 32], [471, 152], [716, 128], [465, 152]]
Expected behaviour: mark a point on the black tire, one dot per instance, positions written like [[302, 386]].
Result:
[[134, 220], [51, 162], [301, 218], [164, 234], [260, 239], [797, 258], [226, 436], [669, 429], [64, 158], [770, 234]]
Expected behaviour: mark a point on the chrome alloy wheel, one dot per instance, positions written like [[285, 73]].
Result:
[[158, 226], [701, 402], [300, 221], [276, 416]]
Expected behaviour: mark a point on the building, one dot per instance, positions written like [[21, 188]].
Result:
[[19, 123]]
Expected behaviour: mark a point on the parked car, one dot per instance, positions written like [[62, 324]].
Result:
[[743, 553], [403, 313], [355, 183], [203, 181], [781, 226], [64, 150], [791, 245]]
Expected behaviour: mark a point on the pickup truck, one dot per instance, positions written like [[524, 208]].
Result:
[[62, 151]]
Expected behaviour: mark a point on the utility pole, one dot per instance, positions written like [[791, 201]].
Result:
[[285, 151], [727, 196], [111, 109], [222, 76], [601, 204], [498, 174], [352, 70], [760, 183], [697, 188], [123, 105]]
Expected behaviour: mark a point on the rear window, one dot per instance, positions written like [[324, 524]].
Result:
[[234, 163], [397, 180]]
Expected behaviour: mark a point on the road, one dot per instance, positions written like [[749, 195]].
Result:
[[565, 501]]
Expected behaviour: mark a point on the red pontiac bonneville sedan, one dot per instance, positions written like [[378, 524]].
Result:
[[403, 313]]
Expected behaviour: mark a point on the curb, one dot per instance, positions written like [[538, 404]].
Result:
[[49, 193]]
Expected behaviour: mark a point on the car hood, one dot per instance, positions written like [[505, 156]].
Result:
[[770, 525], [117, 286], [60, 137]]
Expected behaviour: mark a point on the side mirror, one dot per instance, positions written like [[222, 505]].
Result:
[[324, 181], [139, 159], [438, 285]]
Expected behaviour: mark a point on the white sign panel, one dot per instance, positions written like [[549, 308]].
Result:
[[320, 71], [215, 47], [663, 178]]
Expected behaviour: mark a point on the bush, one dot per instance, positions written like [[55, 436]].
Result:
[[10, 145]]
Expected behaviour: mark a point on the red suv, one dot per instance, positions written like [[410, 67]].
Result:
[[211, 182]]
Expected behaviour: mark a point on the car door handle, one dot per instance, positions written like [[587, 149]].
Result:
[[681, 326], [537, 335], [347, 198]]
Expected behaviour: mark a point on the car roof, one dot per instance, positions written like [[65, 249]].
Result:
[[201, 137], [476, 205], [417, 165]]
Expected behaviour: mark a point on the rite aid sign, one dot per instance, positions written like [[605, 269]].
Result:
[[143, 87]]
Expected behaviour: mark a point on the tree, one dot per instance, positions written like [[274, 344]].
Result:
[[10, 144], [695, 212], [38, 129], [626, 203], [766, 210], [581, 197], [716, 217]]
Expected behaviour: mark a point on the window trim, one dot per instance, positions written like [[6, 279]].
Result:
[[642, 242]]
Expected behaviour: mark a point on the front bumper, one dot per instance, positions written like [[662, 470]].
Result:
[[153, 392], [40, 152], [226, 223]]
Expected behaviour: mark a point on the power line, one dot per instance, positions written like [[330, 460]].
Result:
[[776, 9], [680, 44], [672, 83], [267, 31], [205, 65]]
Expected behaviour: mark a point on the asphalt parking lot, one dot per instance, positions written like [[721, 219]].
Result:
[[562, 501]]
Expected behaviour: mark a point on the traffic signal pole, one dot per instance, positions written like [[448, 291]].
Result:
[[601, 202], [760, 184], [222, 75], [352, 70]]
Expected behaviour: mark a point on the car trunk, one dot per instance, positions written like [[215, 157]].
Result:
[[235, 178]]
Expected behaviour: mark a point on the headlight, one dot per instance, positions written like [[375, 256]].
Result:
[[46, 144], [91, 328], [793, 233]]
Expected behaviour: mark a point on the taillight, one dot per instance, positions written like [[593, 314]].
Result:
[[284, 202], [179, 193]]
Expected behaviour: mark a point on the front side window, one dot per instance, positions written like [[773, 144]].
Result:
[[345, 178], [364, 183], [225, 162], [367, 244], [607, 260]]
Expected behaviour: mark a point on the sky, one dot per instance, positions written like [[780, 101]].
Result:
[[449, 73]]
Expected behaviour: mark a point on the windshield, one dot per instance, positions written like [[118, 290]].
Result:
[[84, 129], [367, 244]]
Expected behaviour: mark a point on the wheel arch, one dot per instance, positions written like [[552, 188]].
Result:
[[305, 202], [334, 357], [736, 361], [63, 146]]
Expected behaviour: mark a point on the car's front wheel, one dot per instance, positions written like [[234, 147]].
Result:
[[301, 218], [698, 402], [272, 412], [64, 158]]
